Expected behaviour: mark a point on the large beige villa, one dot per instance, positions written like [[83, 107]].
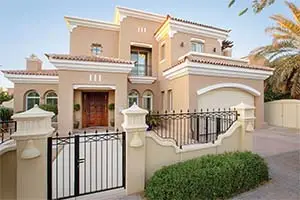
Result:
[[158, 61]]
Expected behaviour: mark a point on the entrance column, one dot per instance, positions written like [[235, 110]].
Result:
[[65, 106]]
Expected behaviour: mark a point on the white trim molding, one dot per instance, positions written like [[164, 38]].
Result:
[[171, 27], [21, 78], [73, 22], [192, 68], [197, 40], [91, 66], [249, 89], [142, 79], [93, 86], [121, 13], [194, 53], [139, 44]]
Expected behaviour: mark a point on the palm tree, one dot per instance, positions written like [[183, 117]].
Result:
[[257, 5], [284, 53]]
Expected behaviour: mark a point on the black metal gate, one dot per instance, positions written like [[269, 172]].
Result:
[[85, 163]]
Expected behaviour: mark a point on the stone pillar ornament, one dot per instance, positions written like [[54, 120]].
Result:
[[33, 129], [135, 126], [247, 118]]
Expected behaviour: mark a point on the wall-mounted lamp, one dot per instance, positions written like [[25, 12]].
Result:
[[182, 44]]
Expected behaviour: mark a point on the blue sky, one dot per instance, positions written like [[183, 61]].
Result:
[[37, 26]]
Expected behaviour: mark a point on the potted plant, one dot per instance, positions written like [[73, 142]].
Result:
[[76, 108], [111, 108], [152, 121]]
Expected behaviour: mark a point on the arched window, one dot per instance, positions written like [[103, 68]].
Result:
[[148, 100], [133, 97], [51, 98], [32, 98]]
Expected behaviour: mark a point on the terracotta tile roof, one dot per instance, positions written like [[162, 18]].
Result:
[[198, 24], [215, 61], [45, 72], [88, 58]]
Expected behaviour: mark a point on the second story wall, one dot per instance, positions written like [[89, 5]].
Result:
[[81, 39], [181, 45], [134, 31]]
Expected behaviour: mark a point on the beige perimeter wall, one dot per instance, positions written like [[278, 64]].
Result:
[[163, 152], [284, 113], [8, 179]]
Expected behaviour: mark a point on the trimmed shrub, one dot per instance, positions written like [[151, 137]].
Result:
[[6, 113], [208, 177]]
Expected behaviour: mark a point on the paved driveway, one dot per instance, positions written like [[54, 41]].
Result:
[[281, 149]]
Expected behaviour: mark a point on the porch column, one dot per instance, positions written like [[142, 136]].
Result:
[[33, 129], [135, 126], [247, 119], [65, 107]]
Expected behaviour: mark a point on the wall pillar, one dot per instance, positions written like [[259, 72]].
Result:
[[247, 119], [135, 126], [33, 129]]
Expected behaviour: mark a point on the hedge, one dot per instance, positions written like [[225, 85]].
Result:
[[208, 177]]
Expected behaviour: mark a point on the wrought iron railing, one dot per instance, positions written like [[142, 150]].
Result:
[[192, 127], [141, 70], [6, 129]]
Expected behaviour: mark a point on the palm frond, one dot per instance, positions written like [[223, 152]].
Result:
[[295, 11]]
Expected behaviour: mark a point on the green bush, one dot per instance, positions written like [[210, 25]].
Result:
[[50, 108], [6, 113], [208, 177]]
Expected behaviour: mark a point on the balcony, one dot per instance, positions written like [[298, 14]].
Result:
[[141, 74]]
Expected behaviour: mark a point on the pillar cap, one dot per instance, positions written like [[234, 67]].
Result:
[[34, 112], [135, 109], [243, 106]]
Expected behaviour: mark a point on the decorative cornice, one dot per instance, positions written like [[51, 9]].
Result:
[[142, 79], [91, 66], [16, 78], [191, 68], [73, 22], [121, 13], [81, 86], [193, 53]]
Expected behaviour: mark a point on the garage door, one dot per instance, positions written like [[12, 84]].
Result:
[[224, 98]]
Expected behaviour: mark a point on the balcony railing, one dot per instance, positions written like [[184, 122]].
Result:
[[141, 70], [6, 129]]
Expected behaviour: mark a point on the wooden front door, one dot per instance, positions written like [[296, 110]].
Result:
[[95, 109]]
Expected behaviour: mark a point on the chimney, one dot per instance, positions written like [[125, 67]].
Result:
[[33, 63]]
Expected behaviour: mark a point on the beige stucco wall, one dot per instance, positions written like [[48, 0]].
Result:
[[178, 50], [160, 152], [129, 33], [8, 175], [65, 104], [21, 90], [284, 113], [230, 97], [81, 39]]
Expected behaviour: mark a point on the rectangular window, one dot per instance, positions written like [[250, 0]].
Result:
[[170, 100], [162, 103], [197, 46], [142, 59], [162, 52]]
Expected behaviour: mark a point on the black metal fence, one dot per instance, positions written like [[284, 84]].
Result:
[[191, 127], [6, 129], [85, 163]]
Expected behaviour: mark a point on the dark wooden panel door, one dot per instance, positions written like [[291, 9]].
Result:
[[95, 109]]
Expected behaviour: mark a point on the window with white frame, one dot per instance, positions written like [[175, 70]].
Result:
[[170, 100], [148, 100], [51, 98], [163, 52], [32, 98], [133, 97], [197, 46]]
